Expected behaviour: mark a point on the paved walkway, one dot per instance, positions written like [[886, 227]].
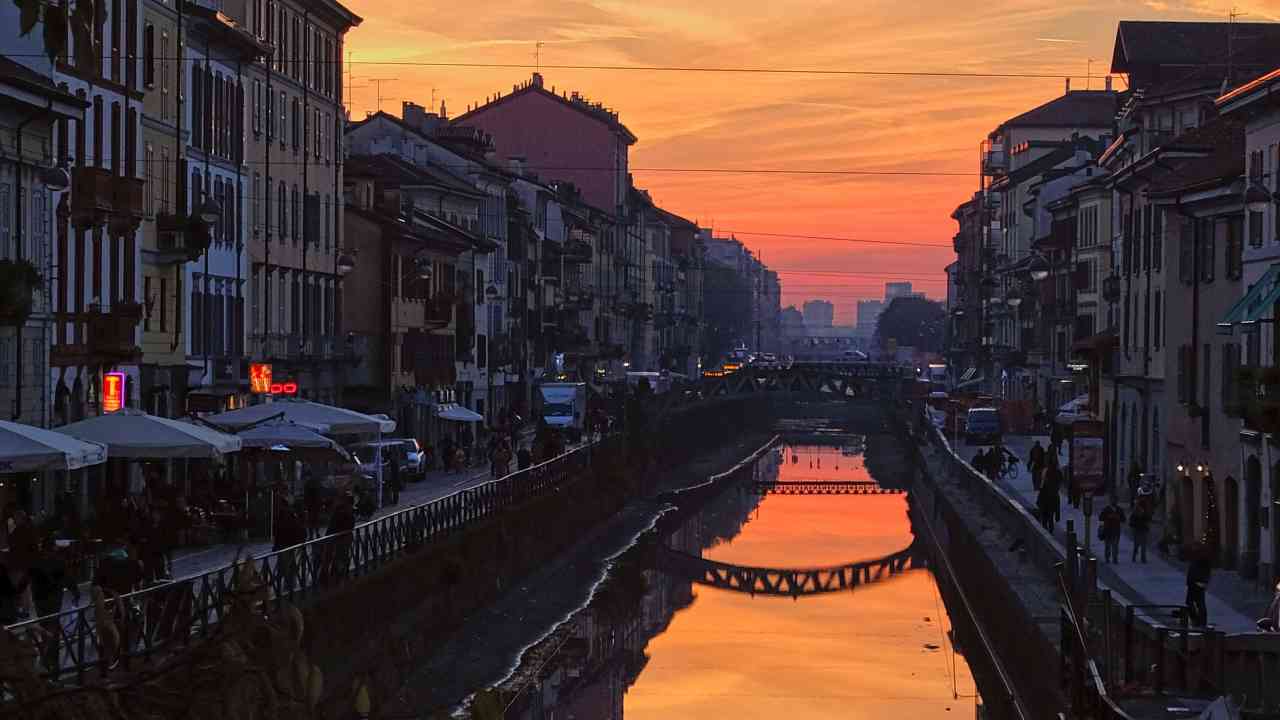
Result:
[[1159, 581]]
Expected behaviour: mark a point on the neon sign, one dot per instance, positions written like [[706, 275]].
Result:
[[260, 377], [113, 391], [287, 387]]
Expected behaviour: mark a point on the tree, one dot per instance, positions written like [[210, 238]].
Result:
[[912, 322], [726, 310]]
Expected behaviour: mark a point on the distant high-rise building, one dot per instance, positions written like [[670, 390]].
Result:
[[868, 313], [896, 290], [819, 313]]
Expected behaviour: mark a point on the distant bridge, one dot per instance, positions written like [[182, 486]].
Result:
[[782, 582], [828, 380], [821, 487]]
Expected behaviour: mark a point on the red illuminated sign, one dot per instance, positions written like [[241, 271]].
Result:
[[260, 377], [287, 387], [113, 391]]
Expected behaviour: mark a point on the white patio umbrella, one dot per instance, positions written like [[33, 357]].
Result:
[[457, 413], [285, 436], [324, 419], [133, 434], [24, 448]]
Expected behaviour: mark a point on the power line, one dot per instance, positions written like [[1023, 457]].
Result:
[[841, 72]]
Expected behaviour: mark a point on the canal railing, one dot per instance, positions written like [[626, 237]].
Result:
[[150, 623], [1133, 648]]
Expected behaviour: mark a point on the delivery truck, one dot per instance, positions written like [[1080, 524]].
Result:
[[564, 408]]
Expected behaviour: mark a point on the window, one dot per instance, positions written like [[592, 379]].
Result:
[[198, 325], [1255, 229], [257, 106], [148, 303], [1207, 249], [197, 108], [1182, 374], [1157, 240], [149, 55], [295, 211], [1186, 250], [1147, 212], [1230, 361], [296, 114], [1208, 374], [1159, 322], [282, 213], [163, 301], [284, 118], [1234, 260], [153, 186]]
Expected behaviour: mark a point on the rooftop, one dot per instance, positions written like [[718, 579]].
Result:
[[1077, 108], [574, 100], [1222, 144], [1142, 42]]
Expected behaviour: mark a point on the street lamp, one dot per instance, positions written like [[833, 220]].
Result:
[[55, 177], [345, 264], [209, 210], [1039, 268], [1256, 198]]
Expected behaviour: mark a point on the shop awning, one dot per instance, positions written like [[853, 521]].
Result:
[[1256, 304], [324, 419], [133, 434], [24, 448], [282, 436], [457, 413], [1099, 342]]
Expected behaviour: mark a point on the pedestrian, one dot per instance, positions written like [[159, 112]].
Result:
[[1110, 526], [524, 458], [311, 501], [393, 480], [1047, 502], [460, 459], [1140, 523], [1135, 479], [1055, 436], [1035, 464], [1198, 572], [341, 524], [289, 529], [1270, 622], [1052, 485], [23, 548], [49, 579], [979, 462]]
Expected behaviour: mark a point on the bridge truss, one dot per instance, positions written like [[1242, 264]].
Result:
[[818, 487], [792, 583]]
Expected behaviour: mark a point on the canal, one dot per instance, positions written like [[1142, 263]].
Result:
[[659, 640]]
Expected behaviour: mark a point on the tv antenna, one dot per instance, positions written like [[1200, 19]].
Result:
[[537, 56], [1088, 76], [378, 84]]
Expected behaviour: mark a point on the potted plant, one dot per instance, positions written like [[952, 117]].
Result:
[[19, 279]]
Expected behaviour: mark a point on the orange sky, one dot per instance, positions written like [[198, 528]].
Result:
[[700, 120]]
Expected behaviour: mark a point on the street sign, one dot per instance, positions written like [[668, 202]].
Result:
[[1088, 459], [113, 391], [260, 377]]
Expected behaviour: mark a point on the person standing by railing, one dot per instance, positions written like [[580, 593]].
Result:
[[1198, 572]]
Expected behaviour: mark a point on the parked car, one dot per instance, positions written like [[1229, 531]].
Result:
[[982, 426], [369, 454]]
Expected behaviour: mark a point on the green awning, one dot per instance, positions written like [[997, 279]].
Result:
[[1256, 303]]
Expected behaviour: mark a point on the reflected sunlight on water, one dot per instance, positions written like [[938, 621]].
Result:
[[879, 652]]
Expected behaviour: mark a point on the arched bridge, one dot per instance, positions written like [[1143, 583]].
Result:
[[787, 582], [822, 487]]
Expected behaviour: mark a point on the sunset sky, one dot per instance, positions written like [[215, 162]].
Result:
[[765, 121]]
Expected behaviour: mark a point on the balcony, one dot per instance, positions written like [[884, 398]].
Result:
[[126, 198], [577, 252], [1256, 398], [112, 333], [1111, 288], [180, 239], [92, 196], [578, 300], [994, 160], [439, 309]]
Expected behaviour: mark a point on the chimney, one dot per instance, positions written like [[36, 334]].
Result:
[[537, 79], [1068, 85], [1108, 83]]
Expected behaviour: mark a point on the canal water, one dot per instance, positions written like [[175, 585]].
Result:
[[655, 644]]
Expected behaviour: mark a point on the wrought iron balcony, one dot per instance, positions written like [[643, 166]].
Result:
[[180, 238], [127, 199], [92, 196]]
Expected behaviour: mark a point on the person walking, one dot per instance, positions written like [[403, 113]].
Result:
[[1135, 480], [1052, 484], [341, 524], [1270, 622], [1035, 464], [1198, 572], [393, 479], [1111, 524], [979, 462], [311, 500], [23, 548], [1140, 523], [1047, 502]]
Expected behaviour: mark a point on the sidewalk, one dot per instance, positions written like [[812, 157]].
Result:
[[1159, 581]]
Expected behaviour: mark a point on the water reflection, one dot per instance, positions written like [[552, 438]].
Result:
[[655, 645]]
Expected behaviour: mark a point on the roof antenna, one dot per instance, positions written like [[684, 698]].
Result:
[[1088, 78], [537, 57], [1228, 81]]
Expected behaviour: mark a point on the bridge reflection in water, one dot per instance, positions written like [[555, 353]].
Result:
[[705, 639]]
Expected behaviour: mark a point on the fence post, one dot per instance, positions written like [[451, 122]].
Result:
[[1128, 644]]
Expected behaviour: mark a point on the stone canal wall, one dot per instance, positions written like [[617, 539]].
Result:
[[379, 626], [1002, 601]]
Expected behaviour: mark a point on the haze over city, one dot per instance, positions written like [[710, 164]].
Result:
[[702, 121]]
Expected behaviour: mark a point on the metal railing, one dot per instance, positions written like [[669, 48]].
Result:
[[152, 622]]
